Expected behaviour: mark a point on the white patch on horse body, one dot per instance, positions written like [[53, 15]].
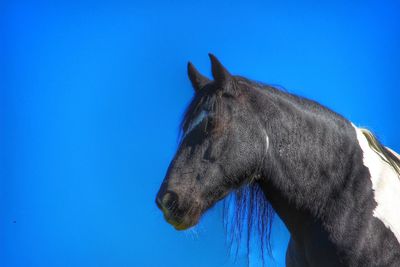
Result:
[[386, 186], [196, 121]]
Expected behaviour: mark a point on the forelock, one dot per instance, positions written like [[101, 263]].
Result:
[[207, 102], [209, 99]]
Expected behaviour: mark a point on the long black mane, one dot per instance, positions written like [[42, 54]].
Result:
[[247, 214]]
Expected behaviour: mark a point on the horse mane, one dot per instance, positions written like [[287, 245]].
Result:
[[383, 152], [246, 214]]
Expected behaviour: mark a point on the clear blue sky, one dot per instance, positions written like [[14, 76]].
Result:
[[92, 92]]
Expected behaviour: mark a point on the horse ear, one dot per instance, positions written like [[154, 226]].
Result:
[[197, 79], [219, 72]]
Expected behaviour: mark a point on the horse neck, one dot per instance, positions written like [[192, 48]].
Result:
[[310, 160]]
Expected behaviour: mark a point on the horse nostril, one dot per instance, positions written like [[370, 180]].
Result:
[[169, 201]]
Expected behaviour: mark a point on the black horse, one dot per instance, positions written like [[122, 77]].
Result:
[[335, 186]]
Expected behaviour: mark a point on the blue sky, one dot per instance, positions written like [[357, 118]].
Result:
[[92, 93]]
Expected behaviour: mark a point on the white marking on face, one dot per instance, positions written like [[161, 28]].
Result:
[[386, 186], [196, 121]]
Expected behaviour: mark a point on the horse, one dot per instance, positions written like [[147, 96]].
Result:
[[334, 185]]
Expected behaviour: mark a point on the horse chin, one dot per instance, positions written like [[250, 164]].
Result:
[[183, 226], [185, 223], [190, 219]]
